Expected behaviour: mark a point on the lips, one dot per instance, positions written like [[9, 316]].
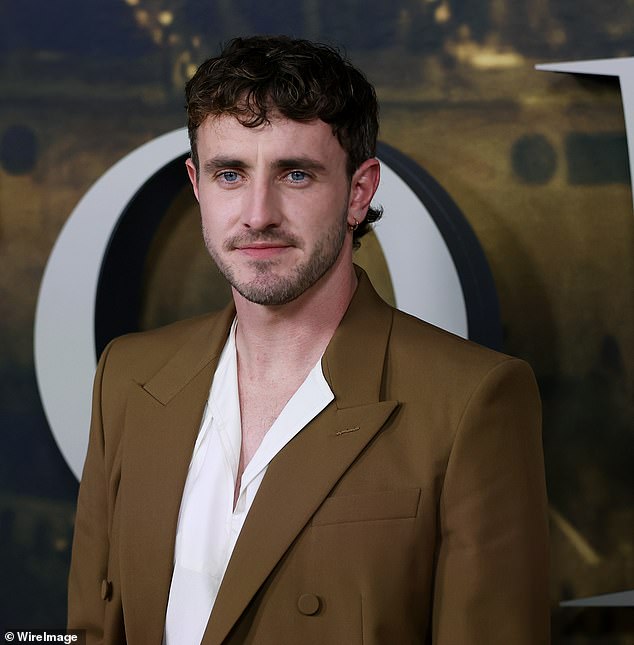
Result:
[[263, 250], [262, 245]]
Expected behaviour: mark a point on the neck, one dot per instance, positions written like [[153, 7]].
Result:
[[277, 338]]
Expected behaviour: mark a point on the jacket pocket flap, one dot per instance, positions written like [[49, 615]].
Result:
[[382, 505]]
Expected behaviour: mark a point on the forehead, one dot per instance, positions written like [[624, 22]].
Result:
[[280, 136]]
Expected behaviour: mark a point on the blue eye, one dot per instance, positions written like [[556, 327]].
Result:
[[297, 175], [230, 176]]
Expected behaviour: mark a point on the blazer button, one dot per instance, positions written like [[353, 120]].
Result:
[[308, 604], [106, 590]]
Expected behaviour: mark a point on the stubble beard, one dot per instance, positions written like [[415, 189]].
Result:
[[268, 287]]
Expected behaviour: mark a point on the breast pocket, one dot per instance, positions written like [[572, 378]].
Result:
[[381, 505]]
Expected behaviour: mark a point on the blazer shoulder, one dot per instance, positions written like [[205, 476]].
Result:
[[443, 355], [439, 377], [140, 355]]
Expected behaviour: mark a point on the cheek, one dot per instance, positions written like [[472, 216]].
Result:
[[216, 210], [316, 211], [211, 225]]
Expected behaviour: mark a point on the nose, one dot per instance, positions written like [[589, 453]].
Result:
[[261, 209]]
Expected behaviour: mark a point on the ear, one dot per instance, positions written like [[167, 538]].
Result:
[[193, 176], [363, 185]]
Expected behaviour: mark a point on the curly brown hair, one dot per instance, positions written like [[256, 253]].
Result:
[[299, 79]]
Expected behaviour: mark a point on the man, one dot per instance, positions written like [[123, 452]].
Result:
[[309, 465]]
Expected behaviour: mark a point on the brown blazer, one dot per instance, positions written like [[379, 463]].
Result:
[[411, 510]]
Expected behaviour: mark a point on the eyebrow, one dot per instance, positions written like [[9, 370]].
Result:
[[299, 162], [303, 162], [222, 162]]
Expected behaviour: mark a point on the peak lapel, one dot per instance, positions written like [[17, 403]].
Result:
[[305, 471], [161, 425]]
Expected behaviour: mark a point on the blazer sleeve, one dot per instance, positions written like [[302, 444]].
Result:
[[89, 562], [491, 583]]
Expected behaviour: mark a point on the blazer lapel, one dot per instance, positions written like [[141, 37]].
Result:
[[162, 422], [305, 471]]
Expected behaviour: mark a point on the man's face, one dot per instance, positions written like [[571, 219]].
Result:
[[274, 202]]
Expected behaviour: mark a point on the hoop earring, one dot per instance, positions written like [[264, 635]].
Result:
[[355, 226]]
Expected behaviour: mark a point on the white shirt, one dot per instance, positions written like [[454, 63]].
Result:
[[208, 525]]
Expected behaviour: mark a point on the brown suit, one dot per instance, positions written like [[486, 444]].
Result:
[[411, 510]]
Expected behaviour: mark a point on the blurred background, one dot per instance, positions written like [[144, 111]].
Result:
[[536, 161]]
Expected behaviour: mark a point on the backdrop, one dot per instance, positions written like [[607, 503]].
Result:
[[536, 161]]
